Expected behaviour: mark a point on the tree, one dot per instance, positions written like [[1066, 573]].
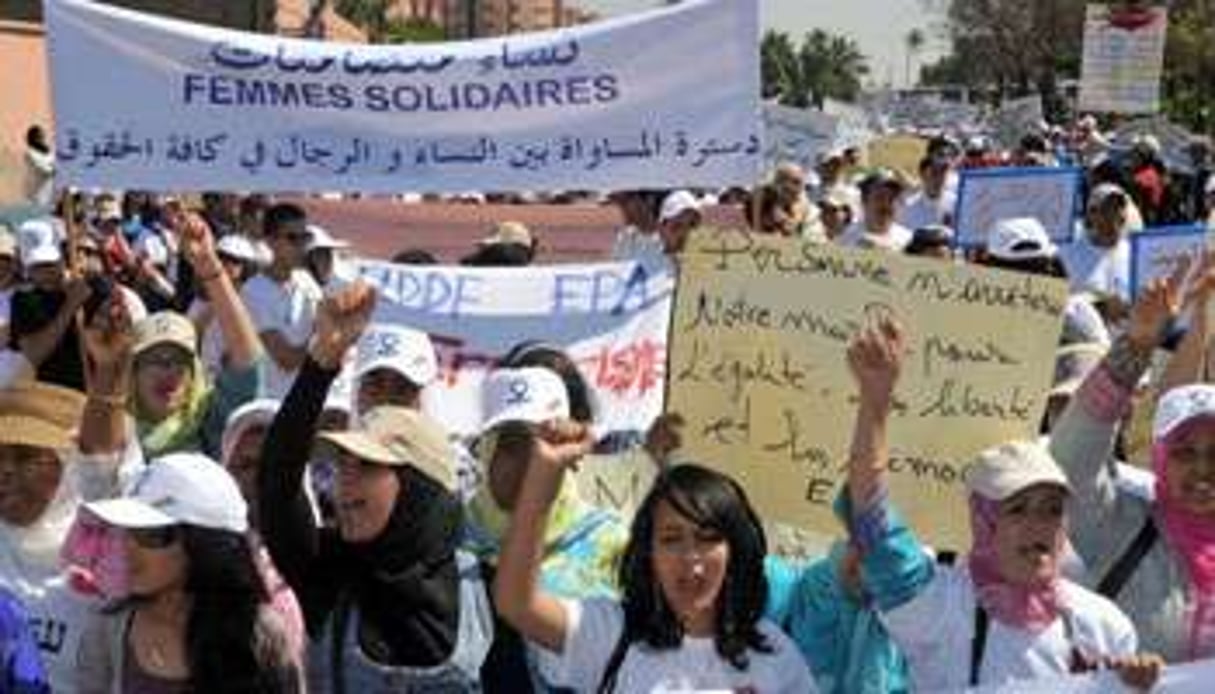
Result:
[[823, 66], [914, 41], [370, 15]]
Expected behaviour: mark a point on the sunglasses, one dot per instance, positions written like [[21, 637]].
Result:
[[153, 538], [166, 359], [298, 239]]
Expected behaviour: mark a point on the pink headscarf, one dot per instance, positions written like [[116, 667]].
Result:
[[1033, 607], [1193, 537]]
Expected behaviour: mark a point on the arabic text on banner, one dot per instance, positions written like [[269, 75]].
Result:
[[667, 97], [1123, 59], [985, 196], [612, 319], [757, 367]]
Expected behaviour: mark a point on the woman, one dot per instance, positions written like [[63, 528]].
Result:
[[175, 406], [242, 449], [692, 586], [44, 476], [1150, 555], [388, 601], [197, 617], [1004, 613]]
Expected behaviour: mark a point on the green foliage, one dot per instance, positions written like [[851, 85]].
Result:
[[823, 66], [1015, 48]]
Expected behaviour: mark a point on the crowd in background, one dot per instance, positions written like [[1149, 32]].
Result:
[[217, 473]]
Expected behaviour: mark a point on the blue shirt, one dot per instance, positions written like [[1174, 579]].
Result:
[[20, 665]]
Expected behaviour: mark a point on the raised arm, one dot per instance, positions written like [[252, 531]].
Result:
[[1187, 364], [894, 565], [538, 616], [284, 512], [108, 342], [240, 336]]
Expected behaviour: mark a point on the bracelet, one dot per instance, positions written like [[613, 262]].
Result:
[[114, 402]]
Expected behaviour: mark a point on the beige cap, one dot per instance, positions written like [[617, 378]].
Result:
[[507, 233], [39, 415], [165, 326], [1002, 471], [397, 436]]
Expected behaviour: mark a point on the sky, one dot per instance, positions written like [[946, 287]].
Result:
[[878, 26]]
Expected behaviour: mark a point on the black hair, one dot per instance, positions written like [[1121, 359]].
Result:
[[500, 255], [35, 139], [280, 215], [712, 501], [415, 256], [547, 356], [227, 645], [929, 238], [1046, 266]]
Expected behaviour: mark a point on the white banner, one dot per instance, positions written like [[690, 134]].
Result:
[[657, 99], [611, 318], [1156, 252], [1015, 118], [1123, 59], [985, 196], [1191, 678]]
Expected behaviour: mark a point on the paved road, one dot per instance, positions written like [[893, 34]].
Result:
[[381, 228]]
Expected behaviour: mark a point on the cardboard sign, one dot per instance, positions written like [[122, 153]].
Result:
[[757, 367], [1123, 59]]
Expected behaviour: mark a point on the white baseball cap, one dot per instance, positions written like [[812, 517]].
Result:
[[404, 350], [530, 394], [38, 242], [1181, 405], [1001, 471], [1019, 238], [238, 246], [256, 413], [322, 239], [180, 488], [676, 204], [1104, 192]]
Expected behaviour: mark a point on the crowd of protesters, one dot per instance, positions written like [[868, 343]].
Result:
[[217, 473]]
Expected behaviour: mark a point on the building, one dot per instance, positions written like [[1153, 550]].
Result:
[[475, 18]]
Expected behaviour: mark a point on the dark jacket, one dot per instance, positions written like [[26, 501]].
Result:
[[404, 583]]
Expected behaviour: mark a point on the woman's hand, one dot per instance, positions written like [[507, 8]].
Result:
[[110, 337], [1140, 671], [560, 445], [665, 436], [875, 358], [1156, 307], [340, 321]]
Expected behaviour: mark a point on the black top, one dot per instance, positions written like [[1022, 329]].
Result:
[[405, 582], [34, 309]]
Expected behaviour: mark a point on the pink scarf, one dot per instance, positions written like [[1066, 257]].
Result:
[[1193, 537], [1033, 607]]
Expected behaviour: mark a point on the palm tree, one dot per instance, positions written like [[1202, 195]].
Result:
[[824, 65], [915, 43]]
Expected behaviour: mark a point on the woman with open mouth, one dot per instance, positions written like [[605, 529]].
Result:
[[692, 588], [1154, 556], [389, 602], [1005, 612]]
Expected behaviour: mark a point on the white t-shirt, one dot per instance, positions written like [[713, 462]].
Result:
[[288, 308], [595, 627], [857, 236], [1103, 271], [935, 630], [921, 210]]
